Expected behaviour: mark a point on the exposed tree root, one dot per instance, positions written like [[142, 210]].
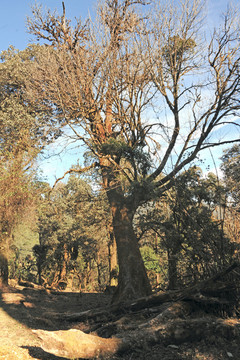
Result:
[[171, 317], [76, 344]]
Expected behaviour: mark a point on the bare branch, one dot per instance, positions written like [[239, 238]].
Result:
[[78, 171], [113, 85]]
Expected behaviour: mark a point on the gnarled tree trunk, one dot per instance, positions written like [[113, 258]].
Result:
[[133, 281]]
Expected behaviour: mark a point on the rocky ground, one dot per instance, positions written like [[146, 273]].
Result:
[[24, 309]]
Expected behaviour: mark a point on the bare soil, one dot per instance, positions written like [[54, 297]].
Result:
[[24, 309]]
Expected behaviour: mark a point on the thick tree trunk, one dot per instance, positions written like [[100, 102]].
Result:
[[133, 281]]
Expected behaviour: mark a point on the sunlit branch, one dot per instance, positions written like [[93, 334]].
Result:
[[77, 171]]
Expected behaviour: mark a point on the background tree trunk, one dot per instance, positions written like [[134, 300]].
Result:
[[172, 270], [4, 256], [3, 270], [63, 268], [99, 269], [39, 270], [112, 258]]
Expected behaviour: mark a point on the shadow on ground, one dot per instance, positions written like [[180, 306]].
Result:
[[37, 353], [23, 309], [39, 309]]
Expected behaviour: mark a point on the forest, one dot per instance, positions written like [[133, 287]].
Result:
[[142, 96], [63, 238]]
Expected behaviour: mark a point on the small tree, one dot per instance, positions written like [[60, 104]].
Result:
[[107, 82]]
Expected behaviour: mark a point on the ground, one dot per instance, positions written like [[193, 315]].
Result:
[[23, 309]]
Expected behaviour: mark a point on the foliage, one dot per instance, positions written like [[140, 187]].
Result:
[[156, 263], [22, 136], [189, 226], [73, 234], [230, 166], [176, 49]]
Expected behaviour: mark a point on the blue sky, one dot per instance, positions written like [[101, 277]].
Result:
[[13, 15]]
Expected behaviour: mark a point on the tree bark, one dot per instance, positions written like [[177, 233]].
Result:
[[133, 281]]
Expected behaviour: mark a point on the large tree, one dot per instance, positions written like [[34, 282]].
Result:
[[144, 93]]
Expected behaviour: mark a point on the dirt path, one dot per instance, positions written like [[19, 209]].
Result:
[[20, 312], [13, 332], [14, 336]]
